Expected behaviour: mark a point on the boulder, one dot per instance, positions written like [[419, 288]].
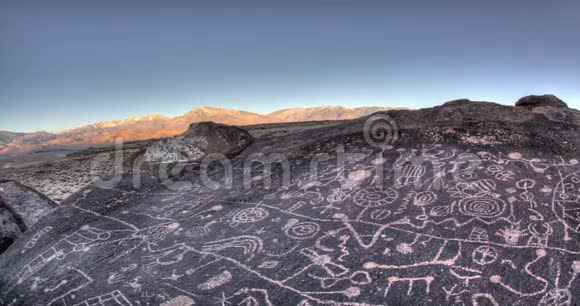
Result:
[[545, 100], [199, 140], [20, 208]]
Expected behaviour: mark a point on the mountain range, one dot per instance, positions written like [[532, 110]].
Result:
[[7, 137], [158, 126]]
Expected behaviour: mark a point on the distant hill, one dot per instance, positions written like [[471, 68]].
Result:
[[322, 113], [158, 126], [6, 137]]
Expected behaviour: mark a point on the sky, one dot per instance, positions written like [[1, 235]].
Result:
[[69, 63]]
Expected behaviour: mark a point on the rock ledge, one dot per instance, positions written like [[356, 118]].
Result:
[[536, 101]]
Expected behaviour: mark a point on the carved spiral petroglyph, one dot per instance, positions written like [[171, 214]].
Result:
[[197, 231], [482, 207], [424, 198]]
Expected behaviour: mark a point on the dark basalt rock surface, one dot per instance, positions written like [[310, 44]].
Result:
[[20, 208], [199, 140], [545, 100], [466, 203]]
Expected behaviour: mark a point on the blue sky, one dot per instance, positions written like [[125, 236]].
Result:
[[69, 63]]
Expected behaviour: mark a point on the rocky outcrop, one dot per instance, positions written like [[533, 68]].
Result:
[[20, 208], [199, 140], [545, 100], [474, 123], [467, 203]]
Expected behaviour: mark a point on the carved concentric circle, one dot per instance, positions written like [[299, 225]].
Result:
[[302, 230], [250, 215], [482, 207]]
